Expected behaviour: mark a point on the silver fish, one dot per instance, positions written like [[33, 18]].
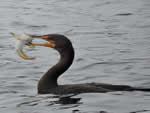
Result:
[[23, 40]]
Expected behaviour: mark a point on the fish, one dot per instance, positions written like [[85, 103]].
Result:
[[22, 40]]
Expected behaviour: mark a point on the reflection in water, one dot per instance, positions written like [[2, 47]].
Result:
[[68, 100], [52, 100]]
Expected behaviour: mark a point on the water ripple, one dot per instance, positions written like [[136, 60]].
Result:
[[36, 26], [104, 63], [124, 14]]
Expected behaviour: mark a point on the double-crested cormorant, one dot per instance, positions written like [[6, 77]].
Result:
[[48, 83]]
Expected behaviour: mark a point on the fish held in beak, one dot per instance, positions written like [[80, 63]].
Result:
[[23, 40]]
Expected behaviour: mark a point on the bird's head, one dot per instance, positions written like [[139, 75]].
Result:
[[56, 41]]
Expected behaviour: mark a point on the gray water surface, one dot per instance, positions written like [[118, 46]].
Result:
[[112, 43]]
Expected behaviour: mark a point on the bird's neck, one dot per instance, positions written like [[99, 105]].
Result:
[[49, 80]]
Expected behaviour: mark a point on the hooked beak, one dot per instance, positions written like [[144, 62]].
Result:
[[50, 43]]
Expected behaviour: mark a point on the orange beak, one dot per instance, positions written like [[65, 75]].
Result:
[[49, 44]]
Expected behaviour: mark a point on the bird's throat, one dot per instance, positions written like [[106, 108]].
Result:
[[49, 80]]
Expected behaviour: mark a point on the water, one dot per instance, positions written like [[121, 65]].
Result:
[[111, 40]]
